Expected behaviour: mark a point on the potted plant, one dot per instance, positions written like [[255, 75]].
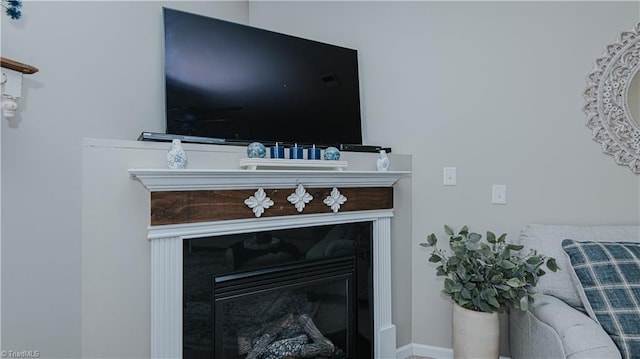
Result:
[[483, 278]]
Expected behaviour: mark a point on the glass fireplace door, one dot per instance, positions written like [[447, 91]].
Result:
[[302, 310]]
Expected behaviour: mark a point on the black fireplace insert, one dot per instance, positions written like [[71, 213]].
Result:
[[305, 292]]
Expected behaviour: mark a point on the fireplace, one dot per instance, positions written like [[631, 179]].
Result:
[[195, 209], [274, 288], [290, 312]]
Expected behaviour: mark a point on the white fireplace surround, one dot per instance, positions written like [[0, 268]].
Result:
[[166, 241]]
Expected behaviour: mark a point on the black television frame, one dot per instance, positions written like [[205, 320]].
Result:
[[330, 117]]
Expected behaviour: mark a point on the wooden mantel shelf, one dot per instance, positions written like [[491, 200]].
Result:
[[192, 179], [18, 66]]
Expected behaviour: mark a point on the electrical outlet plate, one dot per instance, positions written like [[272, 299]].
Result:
[[449, 178]]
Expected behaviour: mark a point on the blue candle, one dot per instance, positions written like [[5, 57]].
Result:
[[277, 151], [313, 153], [295, 152]]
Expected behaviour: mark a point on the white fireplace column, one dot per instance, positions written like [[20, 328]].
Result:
[[167, 258], [166, 297], [385, 331]]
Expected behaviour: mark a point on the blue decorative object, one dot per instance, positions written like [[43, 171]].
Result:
[[295, 153], [277, 151], [256, 150], [12, 8], [313, 153], [382, 163], [176, 157], [331, 154], [609, 276]]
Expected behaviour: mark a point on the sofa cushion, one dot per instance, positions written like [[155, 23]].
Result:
[[547, 239], [609, 277]]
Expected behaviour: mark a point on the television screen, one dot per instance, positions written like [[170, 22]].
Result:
[[243, 84]]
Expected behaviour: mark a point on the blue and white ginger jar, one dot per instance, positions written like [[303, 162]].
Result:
[[256, 150], [331, 154], [176, 157], [382, 163]]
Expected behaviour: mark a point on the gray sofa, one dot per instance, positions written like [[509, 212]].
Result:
[[556, 325]]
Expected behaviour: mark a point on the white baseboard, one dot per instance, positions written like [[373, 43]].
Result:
[[404, 351], [428, 351], [422, 350]]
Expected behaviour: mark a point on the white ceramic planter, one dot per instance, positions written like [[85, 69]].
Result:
[[475, 334]]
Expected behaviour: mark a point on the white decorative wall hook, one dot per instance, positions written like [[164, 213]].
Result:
[[335, 200], [12, 72], [9, 106], [11, 91], [259, 202], [300, 198]]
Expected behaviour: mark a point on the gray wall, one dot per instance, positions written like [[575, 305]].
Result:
[[492, 88], [100, 76]]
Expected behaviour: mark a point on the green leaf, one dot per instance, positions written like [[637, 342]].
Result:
[[461, 271], [456, 287], [447, 284], [484, 307], [514, 282], [493, 302], [491, 237], [502, 238], [474, 237], [515, 247], [541, 272], [432, 239], [465, 293], [524, 303], [552, 265], [472, 246], [434, 258], [534, 260], [470, 285], [448, 230], [507, 264], [464, 230], [510, 294]]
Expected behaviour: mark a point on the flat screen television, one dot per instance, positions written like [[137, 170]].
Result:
[[242, 84]]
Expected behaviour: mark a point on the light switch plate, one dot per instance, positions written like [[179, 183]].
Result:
[[499, 194]]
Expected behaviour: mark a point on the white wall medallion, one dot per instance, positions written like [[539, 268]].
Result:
[[613, 100], [259, 202], [335, 200], [300, 198]]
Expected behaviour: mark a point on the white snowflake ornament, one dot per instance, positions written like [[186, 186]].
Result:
[[259, 202], [335, 200], [300, 198]]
